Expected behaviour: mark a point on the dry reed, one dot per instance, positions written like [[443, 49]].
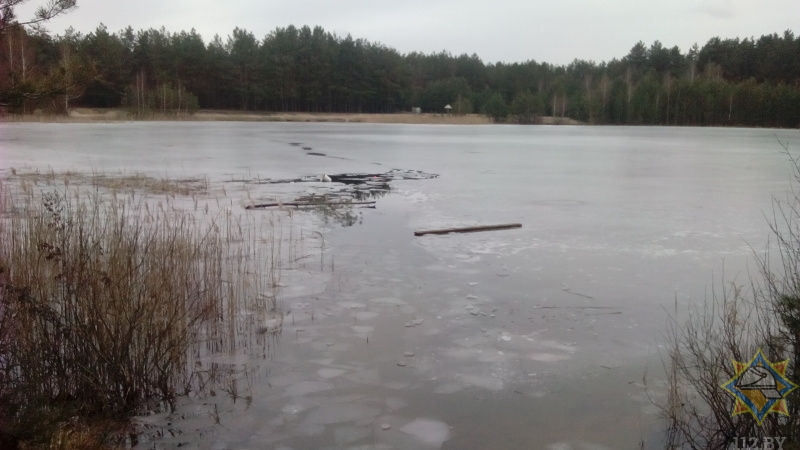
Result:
[[111, 304]]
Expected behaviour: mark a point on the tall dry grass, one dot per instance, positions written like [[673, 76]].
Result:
[[111, 304]]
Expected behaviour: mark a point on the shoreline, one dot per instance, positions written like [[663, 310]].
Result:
[[88, 115]]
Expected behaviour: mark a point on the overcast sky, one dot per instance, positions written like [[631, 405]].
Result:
[[553, 31]]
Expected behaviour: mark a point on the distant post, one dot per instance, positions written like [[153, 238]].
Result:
[[447, 109]]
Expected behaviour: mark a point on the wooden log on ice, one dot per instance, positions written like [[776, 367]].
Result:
[[504, 226], [276, 205]]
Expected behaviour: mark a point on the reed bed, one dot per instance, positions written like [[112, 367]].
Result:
[[120, 181], [112, 304]]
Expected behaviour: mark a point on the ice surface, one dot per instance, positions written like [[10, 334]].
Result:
[[372, 447], [309, 429], [307, 387], [286, 379], [491, 356], [293, 408], [576, 446], [349, 434], [351, 305], [366, 315], [367, 376], [449, 388], [362, 329], [330, 372], [341, 412], [560, 446], [486, 382], [395, 403], [548, 357], [429, 431], [462, 353], [348, 398], [388, 301], [570, 245]]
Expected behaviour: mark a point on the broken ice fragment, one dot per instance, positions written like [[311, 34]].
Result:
[[430, 431]]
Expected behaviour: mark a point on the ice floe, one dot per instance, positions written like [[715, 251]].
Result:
[[430, 431]]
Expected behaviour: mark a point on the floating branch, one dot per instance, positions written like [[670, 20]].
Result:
[[470, 229], [298, 204]]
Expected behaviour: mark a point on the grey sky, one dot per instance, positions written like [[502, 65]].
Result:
[[555, 31]]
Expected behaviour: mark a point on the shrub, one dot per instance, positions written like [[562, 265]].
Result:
[[735, 324]]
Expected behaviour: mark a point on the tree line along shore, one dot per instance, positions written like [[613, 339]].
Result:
[[83, 115], [147, 73]]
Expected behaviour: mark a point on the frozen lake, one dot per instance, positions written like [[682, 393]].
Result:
[[530, 338]]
